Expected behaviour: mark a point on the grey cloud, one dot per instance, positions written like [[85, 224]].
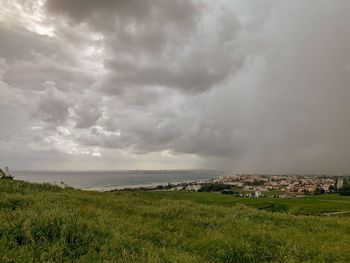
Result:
[[297, 109], [98, 136], [110, 14], [30, 74], [165, 128], [173, 44], [18, 44], [88, 112], [286, 109], [250, 89], [53, 104], [87, 116], [194, 64], [31, 59], [144, 132]]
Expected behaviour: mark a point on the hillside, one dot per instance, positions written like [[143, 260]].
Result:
[[44, 223]]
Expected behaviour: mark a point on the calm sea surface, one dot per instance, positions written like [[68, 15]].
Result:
[[107, 180]]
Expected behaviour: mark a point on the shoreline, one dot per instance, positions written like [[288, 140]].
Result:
[[235, 184]]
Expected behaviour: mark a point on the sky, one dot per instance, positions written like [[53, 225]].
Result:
[[243, 86]]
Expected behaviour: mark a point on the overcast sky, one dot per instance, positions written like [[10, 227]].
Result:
[[245, 86]]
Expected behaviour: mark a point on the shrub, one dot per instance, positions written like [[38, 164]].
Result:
[[319, 191], [5, 175], [345, 190], [216, 187]]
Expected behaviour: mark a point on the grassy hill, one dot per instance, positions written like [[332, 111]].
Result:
[[44, 223], [308, 205]]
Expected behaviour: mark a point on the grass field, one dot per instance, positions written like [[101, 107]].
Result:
[[43, 223], [308, 205]]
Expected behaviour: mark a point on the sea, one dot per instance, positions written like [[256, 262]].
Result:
[[109, 180]]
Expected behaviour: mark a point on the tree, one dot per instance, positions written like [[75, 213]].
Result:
[[345, 190], [5, 174], [215, 187], [319, 191]]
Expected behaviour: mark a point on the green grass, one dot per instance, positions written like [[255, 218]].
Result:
[[43, 223], [308, 205]]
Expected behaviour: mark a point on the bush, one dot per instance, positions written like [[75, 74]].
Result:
[[4, 175], [319, 191], [345, 190], [227, 192], [214, 187]]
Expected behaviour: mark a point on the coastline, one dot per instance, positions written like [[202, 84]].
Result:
[[103, 181]]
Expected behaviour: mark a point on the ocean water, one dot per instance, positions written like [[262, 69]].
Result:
[[108, 180]]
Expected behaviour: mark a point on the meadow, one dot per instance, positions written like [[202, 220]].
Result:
[[307, 205], [45, 223]]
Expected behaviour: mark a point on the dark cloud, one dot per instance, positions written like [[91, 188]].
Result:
[[192, 64], [247, 87], [110, 14], [172, 44]]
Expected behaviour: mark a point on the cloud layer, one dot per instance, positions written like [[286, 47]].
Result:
[[175, 84]]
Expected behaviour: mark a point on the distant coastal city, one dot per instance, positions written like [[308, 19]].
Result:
[[256, 185], [239, 185]]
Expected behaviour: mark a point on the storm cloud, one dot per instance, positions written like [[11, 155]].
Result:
[[258, 86]]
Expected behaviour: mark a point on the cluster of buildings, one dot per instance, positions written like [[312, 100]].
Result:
[[255, 185], [288, 183]]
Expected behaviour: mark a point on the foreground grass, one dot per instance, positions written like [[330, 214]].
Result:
[[42, 223]]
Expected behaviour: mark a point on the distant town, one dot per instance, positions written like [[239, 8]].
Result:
[[256, 185]]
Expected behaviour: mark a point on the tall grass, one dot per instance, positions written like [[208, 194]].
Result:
[[42, 223]]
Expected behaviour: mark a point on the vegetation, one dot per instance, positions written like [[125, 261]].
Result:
[[345, 190], [319, 191], [45, 223], [5, 174], [214, 187], [308, 205]]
